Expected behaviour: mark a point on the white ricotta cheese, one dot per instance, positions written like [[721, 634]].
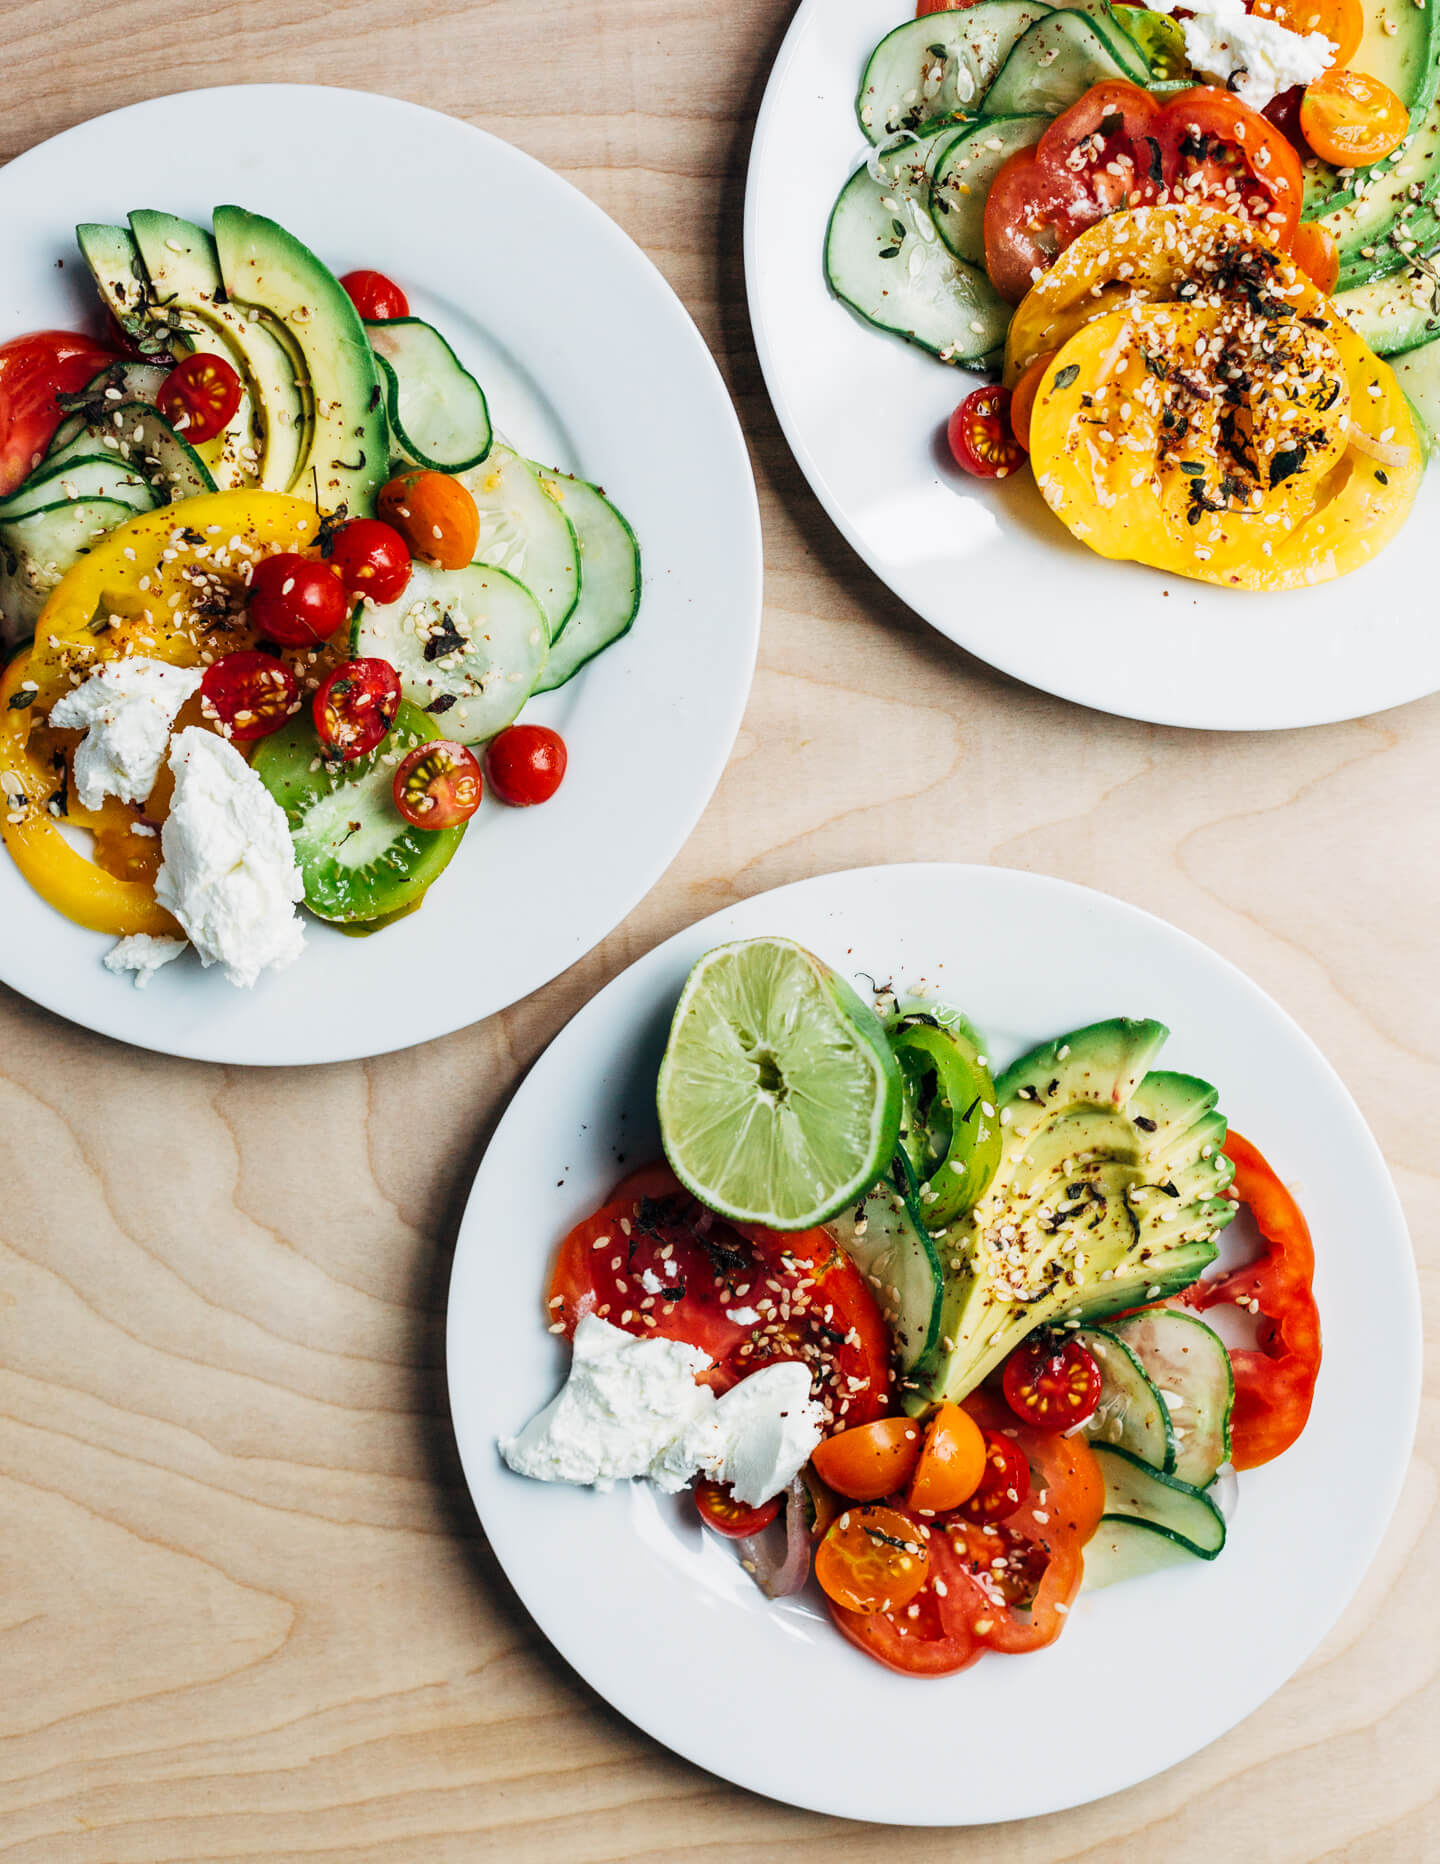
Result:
[[1262, 57], [126, 709], [761, 1433], [228, 868], [625, 1404], [142, 955]]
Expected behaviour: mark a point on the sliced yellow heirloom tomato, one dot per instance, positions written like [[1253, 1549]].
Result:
[[169, 584]]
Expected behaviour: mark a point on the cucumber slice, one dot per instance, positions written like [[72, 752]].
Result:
[[939, 66], [361, 860], [1131, 1412], [1056, 62], [38, 549], [896, 274], [133, 433], [970, 162], [129, 381], [885, 1236], [94, 476], [468, 646], [609, 582], [1418, 373], [1122, 1548], [437, 409], [1165, 1504], [524, 532], [1188, 1365]]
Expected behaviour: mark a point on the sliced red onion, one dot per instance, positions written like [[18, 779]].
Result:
[[779, 1575]]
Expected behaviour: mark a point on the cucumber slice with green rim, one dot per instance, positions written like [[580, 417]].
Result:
[[38, 549], [779, 1099], [361, 860], [524, 532], [1188, 1365], [92, 476], [971, 160], [885, 260], [133, 433], [940, 65], [1056, 62], [438, 412], [122, 381], [609, 578], [1418, 373], [1122, 1548], [885, 1236], [1166, 1505], [468, 646], [1131, 1413]]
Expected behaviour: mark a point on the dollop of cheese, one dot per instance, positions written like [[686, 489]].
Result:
[[142, 954], [126, 709]]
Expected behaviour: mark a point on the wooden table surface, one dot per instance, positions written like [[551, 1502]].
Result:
[[246, 1611]]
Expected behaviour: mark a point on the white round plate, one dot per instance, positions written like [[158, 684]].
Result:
[[985, 562], [590, 364], [658, 1616]]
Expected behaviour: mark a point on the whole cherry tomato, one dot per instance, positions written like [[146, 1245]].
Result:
[[199, 397], [356, 706], [438, 785], [434, 514], [525, 764], [376, 297], [980, 435], [250, 694], [371, 558], [295, 600], [1022, 397]]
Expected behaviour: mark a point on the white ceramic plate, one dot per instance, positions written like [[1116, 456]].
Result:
[[986, 563], [658, 1616], [591, 364]]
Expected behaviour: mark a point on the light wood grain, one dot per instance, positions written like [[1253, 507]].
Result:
[[245, 1609]]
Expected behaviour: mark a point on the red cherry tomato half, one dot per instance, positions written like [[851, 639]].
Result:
[[438, 785], [250, 694], [34, 371], [356, 706], [375, 296], [737, 1520], [1052, 1383], [980, 434], [371, 558], [1005, 1485], [199, 397], [525, 764], [295, 600]]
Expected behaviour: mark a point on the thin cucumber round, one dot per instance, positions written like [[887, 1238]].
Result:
[[468, 646], [961, 182], [885, 260], [37, 550], [524, 532], [1055, 63], [1188, 1365], [609, 580], [1165, 1504], [1131, 1413], [1124, 1548], [940, 65], [96, 476], [885, 1236], [438, 412], [133, 433]]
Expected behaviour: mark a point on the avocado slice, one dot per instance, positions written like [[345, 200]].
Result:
[[184, 276], [265, 267], [1109, 1192]]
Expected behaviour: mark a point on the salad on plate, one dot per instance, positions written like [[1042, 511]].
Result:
[[1184, 241], [927, 1332], [274, 594]]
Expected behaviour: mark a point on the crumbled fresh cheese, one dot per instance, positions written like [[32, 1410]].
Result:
[[631, 1407], [228, 870], [743, 1316], [126, 710], [142, 955], [1224, 42], [651, 1282]]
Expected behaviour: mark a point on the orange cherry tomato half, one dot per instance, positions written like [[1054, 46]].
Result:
[[199, 397], [1317, 253], [1052, 1383], [736, 1520], [1351, 119], [248, 694], [872, 1559], [980, 436], [1022, 397], [356, 706], [1342, 22], [434, 514], [870, 1460], [1005, 1485], [438, 785], [952, 1462], [375, 296]]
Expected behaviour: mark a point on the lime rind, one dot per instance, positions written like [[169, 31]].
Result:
[[779, 1097]]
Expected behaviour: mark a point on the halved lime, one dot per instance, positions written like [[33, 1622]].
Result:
[[779, 1097]]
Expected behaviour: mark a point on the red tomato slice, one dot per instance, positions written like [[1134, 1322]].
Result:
[[1032, 213], [199, 397], [250, 694], [736, 1520], [1108, 140], [1274, 1383], [1221, 153], [34, 372], [654, 1261], [1052, 1383], [356, 706]]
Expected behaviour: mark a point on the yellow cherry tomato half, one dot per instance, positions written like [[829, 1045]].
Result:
[[871, 1460], [1351, 119], [951, 1464], [872, 1560], [434, 514]]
